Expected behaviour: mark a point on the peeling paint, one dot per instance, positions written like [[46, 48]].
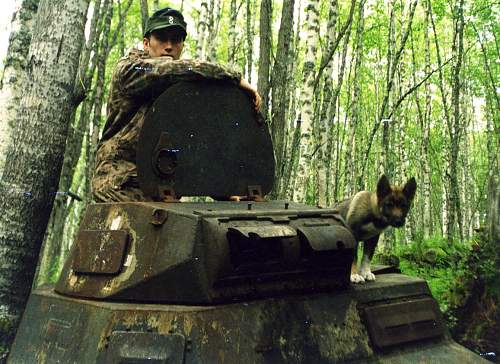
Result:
[[115, 224]]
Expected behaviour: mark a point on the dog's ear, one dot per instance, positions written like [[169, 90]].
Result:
[[410, 188], [383, 187]]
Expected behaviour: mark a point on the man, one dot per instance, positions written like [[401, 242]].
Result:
[[138, 80]]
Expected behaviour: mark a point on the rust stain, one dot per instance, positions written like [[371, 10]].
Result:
[[222, 356], [188, 325], [106, 332], [342, 340]]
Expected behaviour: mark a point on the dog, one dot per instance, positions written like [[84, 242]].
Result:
[[368, 214]]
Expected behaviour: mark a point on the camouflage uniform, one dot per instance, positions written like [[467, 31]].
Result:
[[137, 81]]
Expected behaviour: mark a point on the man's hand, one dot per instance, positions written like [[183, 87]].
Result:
[[257, 100]]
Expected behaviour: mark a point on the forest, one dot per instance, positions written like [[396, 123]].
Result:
[[351, 90]]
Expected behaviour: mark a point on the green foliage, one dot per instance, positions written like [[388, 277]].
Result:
[[464, 279]]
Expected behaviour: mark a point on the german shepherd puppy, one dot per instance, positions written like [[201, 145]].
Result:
[[368, 214]]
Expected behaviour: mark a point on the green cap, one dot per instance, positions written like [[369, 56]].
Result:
[[165, 18]]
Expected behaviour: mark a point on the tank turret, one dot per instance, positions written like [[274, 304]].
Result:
[[253, 281]]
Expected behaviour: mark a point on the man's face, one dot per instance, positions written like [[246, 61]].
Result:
[[165, 42]]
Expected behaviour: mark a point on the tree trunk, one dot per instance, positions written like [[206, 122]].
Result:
[[455, 216], [156, 5], [292, 126], [265, 38], [14, 71], [233, 15], [306, 107], [98, 94], [215, 15], [390, 72], [35, 153], [493, 216], [121, 37], [202, 28], [324, 121], [249, 39], [280, 91], [354, 109], [334, 133], [426, 174], [144, 14]]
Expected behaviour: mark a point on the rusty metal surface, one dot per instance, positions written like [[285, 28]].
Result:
[[100, 251], [142, 348], [265, 231], [200, 148], [396, 323], [317, 328], [192, 254]]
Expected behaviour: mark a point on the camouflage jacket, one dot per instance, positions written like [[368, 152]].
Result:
[[137, 81]]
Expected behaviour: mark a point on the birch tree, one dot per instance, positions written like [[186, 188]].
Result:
[[202, 31], [455, 129], [326, 113], [249, 39], [354, 107], [324, 110], [280, 89], [14, 70], [306, 100], [233, 16], [265, 40], [35, 153], [144, 14], [426, 177]]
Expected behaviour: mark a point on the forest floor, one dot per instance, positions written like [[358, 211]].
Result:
[[465, 281]]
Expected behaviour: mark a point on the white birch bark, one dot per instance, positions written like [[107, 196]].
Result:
[[306, 101], [35, 153], [202, 29], [354, 107], [456, 127], [426, 177], [324, 120], [233, 14], [14, 71]]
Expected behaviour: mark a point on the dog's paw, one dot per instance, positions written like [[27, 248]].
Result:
[[368, 276], [356, 278]]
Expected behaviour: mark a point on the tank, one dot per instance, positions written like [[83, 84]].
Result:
[[252, 281]]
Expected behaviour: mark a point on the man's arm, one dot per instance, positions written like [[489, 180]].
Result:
[[253, 92], [146, 77]]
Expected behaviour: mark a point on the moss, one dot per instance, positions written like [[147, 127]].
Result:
[[464, 280]]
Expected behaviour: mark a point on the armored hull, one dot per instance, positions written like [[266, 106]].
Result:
[[134, 303], [323, 328]]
